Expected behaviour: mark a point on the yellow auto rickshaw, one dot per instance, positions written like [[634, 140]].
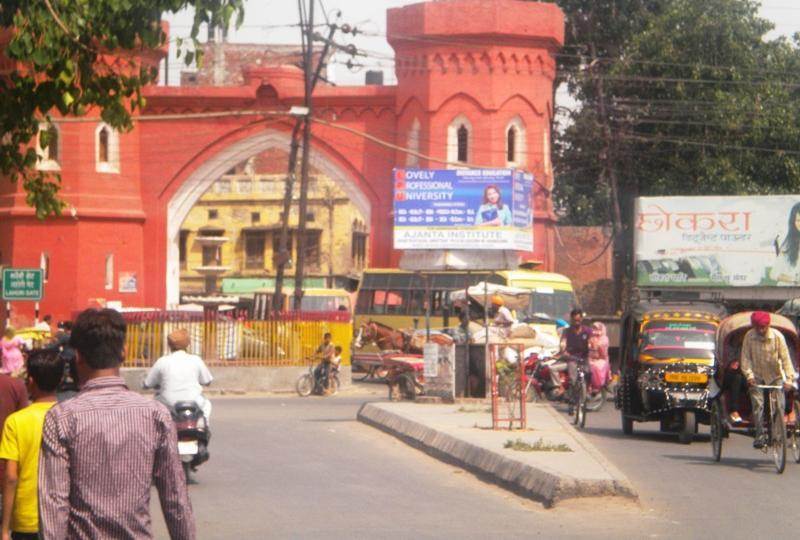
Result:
[[667, 361]]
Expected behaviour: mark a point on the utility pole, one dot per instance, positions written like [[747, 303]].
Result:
[[302, 122], [299, 269]]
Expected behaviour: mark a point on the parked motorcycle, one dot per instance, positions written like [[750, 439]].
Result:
[[324, 383], [193, 436], [540, 384]]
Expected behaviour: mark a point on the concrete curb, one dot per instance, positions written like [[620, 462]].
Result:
[[526, 480]]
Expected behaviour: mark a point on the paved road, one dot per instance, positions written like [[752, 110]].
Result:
[[286, 467], [739, 497]]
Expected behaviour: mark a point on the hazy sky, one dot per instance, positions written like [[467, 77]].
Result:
[[268, 21]]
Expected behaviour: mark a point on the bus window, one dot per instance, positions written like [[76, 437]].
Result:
[[438, 303], [363, 301], [378, 301], [394, 303], [416, 305]]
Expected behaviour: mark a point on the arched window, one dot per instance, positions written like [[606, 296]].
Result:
[[511, 145], [106, 149], [463, 143], [102, 145], [413, 144], [515, 143], [48, 147], [459, 140]]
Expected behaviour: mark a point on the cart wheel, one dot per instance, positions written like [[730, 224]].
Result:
[[778, 446], [688, 429], [627, 424], [716, 430]]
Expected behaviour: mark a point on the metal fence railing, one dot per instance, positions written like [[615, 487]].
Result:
[[233, 339]]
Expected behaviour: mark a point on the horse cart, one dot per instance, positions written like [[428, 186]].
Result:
[[398, 359]]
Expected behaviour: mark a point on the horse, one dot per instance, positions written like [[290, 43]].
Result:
[[386, 338]]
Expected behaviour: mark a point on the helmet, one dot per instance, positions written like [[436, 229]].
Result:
[[497, 300]]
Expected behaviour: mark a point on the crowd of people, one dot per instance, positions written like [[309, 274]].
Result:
[[81, 449]]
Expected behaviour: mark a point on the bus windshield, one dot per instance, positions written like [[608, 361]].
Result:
[[325, 303], [678, 339], [555, 304]]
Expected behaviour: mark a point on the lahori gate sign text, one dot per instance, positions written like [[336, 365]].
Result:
[[475, 209]]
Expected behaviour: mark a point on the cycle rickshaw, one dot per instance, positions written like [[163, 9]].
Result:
[[780, 424]]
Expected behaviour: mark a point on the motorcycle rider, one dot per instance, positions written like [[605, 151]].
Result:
[[574, 348], [180, 376]]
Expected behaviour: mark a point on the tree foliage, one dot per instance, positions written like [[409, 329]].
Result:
[[695, 101], [77, 56]]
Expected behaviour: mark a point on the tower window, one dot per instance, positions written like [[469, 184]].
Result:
[[511, 144], [463, 144]]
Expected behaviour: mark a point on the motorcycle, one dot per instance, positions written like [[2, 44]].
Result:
[[540, 385], [324, 383], [193, 436]]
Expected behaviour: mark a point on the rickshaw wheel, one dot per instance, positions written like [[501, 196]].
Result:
[[716, 430], [778, 440], [689, 427], [794, 439]]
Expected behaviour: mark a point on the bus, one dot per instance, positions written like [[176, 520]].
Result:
[[396, 298]]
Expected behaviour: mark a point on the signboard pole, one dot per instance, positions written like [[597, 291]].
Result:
[[36, 313], [8, 314]]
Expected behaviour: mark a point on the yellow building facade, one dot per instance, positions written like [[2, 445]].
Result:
[[231, 237]]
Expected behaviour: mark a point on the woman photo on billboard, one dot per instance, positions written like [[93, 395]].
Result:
[[493, 212], [785, 270]]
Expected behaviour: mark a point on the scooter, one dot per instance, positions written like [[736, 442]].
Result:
[[193, 436]]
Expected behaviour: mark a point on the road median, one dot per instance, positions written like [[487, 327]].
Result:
[[550, 462]]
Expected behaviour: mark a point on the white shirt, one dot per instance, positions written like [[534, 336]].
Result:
[[179, 376], [504, 317], [42, 325]]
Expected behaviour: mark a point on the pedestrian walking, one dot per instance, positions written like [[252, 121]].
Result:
[[11, 348], [105, 447], [22, 438]]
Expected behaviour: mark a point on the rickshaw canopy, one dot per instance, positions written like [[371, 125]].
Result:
[[741, 321]]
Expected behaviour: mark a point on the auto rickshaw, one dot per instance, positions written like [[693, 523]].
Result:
[[781, 426], [667, 360]]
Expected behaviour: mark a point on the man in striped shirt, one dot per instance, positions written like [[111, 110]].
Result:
[[104, 448]]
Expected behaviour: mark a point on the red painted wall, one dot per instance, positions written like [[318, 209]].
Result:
[[490, 61]]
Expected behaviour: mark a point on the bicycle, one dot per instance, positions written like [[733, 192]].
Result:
[[774, 428], [308, 384]]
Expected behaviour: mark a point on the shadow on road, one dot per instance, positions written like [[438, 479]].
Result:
[[653, 436], [762, 466]]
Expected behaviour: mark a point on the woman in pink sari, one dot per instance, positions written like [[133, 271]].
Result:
[[11, 348], [598, 357]]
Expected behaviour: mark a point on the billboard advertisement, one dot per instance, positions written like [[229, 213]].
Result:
[[483, 209], [717, 241]]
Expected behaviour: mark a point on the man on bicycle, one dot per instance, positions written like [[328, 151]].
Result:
[[765, 361], [574, 345]]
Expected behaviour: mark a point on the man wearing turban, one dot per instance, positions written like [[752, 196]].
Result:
[[180, 376], [765, 361]]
